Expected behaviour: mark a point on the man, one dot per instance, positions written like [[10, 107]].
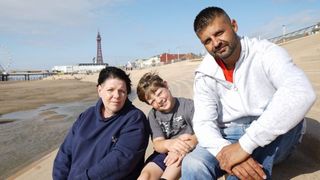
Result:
[[250, 102]]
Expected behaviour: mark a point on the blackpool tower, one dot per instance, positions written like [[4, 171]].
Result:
[[99, 58]]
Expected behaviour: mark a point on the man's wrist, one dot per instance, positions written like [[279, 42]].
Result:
[[247, 144]]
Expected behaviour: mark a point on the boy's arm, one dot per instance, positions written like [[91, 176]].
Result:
[[177, 145]]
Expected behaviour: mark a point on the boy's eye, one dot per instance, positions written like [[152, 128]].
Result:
[[158, 93]]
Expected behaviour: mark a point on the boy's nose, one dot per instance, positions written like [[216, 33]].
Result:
[[159, 101]]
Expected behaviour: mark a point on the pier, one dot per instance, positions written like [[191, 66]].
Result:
[[27, 76]]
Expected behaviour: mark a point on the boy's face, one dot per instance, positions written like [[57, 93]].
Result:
[[161, 100]]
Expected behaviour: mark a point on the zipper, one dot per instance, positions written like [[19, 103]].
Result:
[[235, 88]]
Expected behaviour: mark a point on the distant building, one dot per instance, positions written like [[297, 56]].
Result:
[[143, 63], [99, 58], [167, 58], [80, 68], [96, 66]]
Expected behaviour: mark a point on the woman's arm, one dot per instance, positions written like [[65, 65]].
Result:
[[128, 151], [62, 162]]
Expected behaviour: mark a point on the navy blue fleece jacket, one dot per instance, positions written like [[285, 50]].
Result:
[[100, 148]]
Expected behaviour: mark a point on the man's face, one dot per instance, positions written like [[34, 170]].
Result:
[[220, 38]]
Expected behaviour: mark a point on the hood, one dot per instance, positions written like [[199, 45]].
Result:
[[127, 105]]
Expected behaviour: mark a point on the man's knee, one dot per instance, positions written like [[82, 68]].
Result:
[[192, 164]]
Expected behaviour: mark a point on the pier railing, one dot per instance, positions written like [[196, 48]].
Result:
[[296, 34], [27, 76]]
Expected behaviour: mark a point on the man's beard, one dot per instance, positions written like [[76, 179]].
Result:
[[230, 48]]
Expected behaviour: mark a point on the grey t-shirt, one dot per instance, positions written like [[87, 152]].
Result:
[[175, 123]]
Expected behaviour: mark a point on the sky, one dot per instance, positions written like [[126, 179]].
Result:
[[39, 34]]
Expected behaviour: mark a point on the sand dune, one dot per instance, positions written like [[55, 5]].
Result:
[[304, 163]]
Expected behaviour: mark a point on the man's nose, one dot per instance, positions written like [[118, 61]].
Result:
[[216, 43]]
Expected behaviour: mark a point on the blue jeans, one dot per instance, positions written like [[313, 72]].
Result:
[[201, 164]]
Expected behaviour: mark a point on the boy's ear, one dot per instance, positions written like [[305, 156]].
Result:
[[166, 84]]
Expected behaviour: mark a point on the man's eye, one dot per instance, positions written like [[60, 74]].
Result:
[[206, 42], [219, 33]]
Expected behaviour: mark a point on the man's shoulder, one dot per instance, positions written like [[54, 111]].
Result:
[[207, 67]]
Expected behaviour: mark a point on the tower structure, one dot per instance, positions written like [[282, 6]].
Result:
[[99, 58]]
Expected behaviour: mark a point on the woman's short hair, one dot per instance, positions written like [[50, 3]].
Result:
[[114, 72]]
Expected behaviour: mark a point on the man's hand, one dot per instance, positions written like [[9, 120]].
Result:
[[249, 169], [231, 155]]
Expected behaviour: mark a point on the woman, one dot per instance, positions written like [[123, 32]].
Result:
[[108, 140]]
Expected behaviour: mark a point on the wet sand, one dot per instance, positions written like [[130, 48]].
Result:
[[24, 95], [37, 127]]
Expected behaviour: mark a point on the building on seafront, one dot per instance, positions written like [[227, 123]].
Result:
[[95, 66]]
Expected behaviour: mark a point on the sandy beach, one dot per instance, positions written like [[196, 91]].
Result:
[[35, 116], [303, 164]]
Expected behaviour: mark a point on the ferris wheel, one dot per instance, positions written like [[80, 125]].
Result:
[[5, 59]]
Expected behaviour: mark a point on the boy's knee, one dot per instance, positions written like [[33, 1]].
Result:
[[144, 176]]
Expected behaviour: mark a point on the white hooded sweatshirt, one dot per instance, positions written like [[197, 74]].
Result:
[[266, 83]]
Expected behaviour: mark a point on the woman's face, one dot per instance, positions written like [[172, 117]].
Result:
[[113, 93]]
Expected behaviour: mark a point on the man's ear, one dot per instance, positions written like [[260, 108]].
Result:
[[234, 25]]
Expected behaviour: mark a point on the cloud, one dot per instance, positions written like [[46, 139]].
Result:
[[40, 16], [291, 22]]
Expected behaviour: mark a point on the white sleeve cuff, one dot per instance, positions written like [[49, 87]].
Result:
[[247, 144]]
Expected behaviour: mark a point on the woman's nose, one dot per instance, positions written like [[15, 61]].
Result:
[[116, 94]]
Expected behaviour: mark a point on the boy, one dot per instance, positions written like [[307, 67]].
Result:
[[170, 121]]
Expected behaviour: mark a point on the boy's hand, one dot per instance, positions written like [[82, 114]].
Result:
[[191, 140], [178, 146], [171, 158]]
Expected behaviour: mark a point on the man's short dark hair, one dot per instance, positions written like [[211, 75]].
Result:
[[114, 72], [206, 16]]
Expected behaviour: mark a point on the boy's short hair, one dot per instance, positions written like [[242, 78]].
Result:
[[148, 84]]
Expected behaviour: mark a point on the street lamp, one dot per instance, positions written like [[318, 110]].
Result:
[[283, 33]]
